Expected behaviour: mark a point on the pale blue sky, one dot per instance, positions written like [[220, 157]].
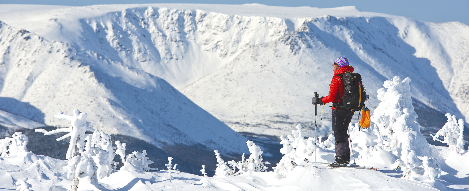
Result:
[[424, 10]]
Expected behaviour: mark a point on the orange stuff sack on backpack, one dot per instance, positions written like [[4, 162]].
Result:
[[365, 118]]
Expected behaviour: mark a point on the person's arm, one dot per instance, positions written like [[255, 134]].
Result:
[[332, 91]]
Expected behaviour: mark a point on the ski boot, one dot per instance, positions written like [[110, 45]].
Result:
[[339, 162]]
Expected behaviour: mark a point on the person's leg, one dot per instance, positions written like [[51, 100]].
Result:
[[340, 122], [348, 119]]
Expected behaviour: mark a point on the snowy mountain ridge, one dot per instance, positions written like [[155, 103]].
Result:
[[254, 67], [46, 77]]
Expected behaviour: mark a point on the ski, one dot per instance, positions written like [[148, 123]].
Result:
[[321, 165], [332, 166]]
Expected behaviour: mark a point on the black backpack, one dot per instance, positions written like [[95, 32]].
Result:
[[354, 93]]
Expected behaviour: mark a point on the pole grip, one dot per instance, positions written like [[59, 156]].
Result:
[[316, 105]]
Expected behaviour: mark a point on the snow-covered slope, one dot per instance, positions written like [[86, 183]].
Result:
[[40, 77], [268, 87], [14, 121], [256, 67], [44, 173]]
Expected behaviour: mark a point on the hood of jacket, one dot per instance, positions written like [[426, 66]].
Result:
[[343, 70]]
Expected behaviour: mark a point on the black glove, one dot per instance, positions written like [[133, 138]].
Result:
[[317, 100]]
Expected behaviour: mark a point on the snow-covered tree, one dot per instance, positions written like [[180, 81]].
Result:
[[452, 133], [241, 165], [399, 132], [93, 155], [170, 167], [102, 153], [252, 164], [203, 171], [295, 150], [204, 179], [255, 163], [80, 161], [74, 186], [361, 141], [14, 145], [328, 143], [120, 150], [222, 169], [86, 167], [137, 161], [76, 132]]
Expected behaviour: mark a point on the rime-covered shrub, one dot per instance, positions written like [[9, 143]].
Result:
[[170, 167], [100, 149], [241, 166], [137, 161], [362, 141], [78, 158], [296, 149], [86, 166], [93, 155], [254, 161], [398, 131], [76, 132], [120, 150], [222, 169], [14, 145], [203, 171], [204, 179], [452, 133], [232, 168], [328, 143]]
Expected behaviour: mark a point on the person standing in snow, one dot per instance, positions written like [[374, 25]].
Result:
[[340, 117]]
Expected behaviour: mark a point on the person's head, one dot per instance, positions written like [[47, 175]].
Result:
[[339, 63]]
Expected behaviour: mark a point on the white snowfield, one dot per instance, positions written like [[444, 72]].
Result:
[[254, 67], [40, 173]]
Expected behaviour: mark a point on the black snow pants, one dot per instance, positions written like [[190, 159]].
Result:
[[340, 122]]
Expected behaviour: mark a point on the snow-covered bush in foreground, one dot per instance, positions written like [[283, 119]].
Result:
[[452, 133], [92, 155], [76, 132], [362, 145], [252, 164], [170, 168], [80, 161], [138, 161], [399, 133], [295, 150], [16, 144], [255, 163], [222, 169], [100, 149]]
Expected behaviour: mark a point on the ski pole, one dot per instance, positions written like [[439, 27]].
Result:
[[315, 125], [351, 147]]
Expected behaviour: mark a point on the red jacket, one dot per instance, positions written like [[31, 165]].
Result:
[[337, 87]]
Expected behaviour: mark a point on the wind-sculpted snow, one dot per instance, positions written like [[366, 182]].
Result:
[[54, 76]]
